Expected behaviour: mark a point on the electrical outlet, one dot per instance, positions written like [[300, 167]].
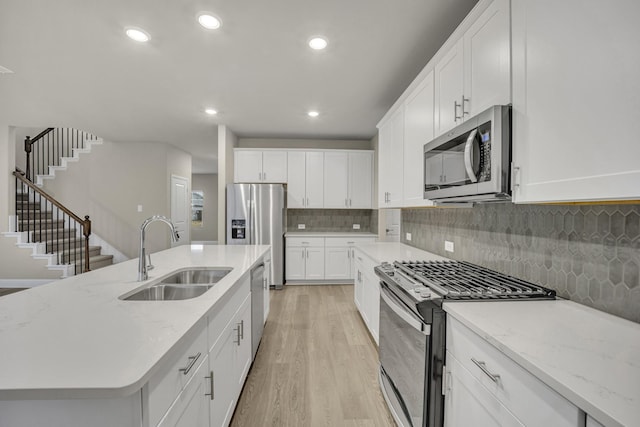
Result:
[[301, 226], [356, 226], [139, 208], [408, 235], [448, 246]]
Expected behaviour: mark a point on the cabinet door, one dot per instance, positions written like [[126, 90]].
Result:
[[358, 284], [221, 362], [385, 136], [468, 403], [295, 260], [314, 268], [575, 118], [243, 348], [191, 408], [336, 179], [371, 289], [337, 263], [314, 177], [448, 89], [274, 166], [487, 60], [396, 160], [247, 166], [296, 177], [360, 180], [418, 130]]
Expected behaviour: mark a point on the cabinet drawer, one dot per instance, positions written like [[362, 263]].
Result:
[[225, 309], [367, 263], [530, 400], [305, 241], [164, 387], [347, 241]]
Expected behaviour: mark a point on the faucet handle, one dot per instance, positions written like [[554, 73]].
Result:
[[149, 265]]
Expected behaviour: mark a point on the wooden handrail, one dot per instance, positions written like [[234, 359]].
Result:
[[38, 136], [86, 222]]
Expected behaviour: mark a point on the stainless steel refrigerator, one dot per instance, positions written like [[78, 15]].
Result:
[[256, 215]]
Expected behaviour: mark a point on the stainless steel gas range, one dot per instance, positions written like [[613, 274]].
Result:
[[413, 328]]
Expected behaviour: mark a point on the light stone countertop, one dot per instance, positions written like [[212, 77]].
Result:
[[75, 339], [329, 234], [393, 251], [589, 357]]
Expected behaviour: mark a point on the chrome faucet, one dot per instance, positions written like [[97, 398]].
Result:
[[143, 267]]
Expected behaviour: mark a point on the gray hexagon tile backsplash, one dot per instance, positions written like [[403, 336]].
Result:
[[589, 253]]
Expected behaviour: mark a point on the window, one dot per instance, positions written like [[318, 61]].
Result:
[[197, 203]]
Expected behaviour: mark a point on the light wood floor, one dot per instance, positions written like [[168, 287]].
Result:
[[316, 365]]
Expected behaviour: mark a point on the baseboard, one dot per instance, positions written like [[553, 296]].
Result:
[[24, 283]]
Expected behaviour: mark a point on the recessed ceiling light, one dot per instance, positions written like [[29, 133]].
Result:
[[209, 21], [138, 35], [313, 114], [318, 43], [211, 111]]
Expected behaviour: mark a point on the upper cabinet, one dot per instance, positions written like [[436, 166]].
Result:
[[575, 101], [348, 179], [390, 161], [305, 187], [474, 73], [262, 166], [418, 130]]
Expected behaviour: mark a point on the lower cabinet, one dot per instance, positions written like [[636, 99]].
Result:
[[367, 292], [329, 259], [483, 387]]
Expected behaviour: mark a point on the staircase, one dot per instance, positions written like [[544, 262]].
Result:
[[42, 223]]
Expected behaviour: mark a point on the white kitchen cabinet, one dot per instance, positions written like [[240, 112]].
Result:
[[391, 161], [304, 258], [418, 130], [191, 408], [499, 380], [474, 73], [305, 183], [449, 86], [261, 166], [340, 256], [348, 178], [468, 403], [267, 286], [367, 292], [575, 114]]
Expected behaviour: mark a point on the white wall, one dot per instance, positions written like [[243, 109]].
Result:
[[109, 183], [226, 141], [208, 184]]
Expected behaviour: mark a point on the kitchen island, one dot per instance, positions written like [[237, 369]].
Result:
[[73, 348]]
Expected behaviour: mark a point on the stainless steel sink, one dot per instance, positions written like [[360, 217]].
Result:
[[168, 293], [199, 276], [185, 284]]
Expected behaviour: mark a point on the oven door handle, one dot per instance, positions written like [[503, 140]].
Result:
[[468, 160], [393, 303]]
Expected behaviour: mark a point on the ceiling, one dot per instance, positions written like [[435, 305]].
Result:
[[74, 67]]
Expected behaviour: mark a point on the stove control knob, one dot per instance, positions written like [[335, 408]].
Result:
[[423, 292]]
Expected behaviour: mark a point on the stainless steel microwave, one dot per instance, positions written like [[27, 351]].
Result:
[[472, 162]]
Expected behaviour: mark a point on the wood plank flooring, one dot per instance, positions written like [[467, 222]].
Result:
[[7, 291], [316, 365]]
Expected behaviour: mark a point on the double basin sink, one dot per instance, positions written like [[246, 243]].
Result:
[[181, 285]]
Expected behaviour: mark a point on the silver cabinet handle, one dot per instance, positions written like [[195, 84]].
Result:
[[242, 329], [237, 334], [264, 176], [348, 254], [349, 202], [210, 378], [483, 367], [192, 361], [307, 201], [514, 174], [462, 105], [346, 203], [455, 111]]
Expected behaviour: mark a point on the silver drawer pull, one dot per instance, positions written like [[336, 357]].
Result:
[[212, 394], [192, 362], [483, 367]]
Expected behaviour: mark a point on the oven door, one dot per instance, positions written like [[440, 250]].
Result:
[[404, 345]]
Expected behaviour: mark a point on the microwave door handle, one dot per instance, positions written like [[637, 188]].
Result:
[[467, 156]]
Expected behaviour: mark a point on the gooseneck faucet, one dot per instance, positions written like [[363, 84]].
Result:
[[143, 267]]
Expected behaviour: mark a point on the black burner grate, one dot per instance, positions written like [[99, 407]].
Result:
[[463, 280]]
